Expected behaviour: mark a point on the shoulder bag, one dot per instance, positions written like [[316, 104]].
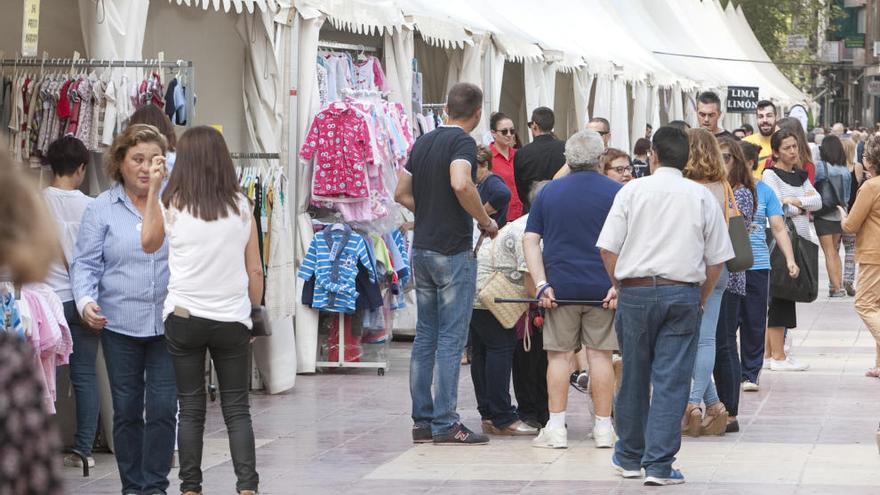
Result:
[[805, 288], [739, 234], [499, 285], [830, 195]]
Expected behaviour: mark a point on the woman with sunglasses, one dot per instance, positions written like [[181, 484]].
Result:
[[616, 166], [503, 150]]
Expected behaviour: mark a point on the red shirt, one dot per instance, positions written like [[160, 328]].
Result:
[[809, 167], [503, 167]]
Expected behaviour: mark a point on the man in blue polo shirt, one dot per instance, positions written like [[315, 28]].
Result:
[[568, 215]]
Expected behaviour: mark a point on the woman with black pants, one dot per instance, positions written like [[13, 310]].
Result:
[[216, 276]]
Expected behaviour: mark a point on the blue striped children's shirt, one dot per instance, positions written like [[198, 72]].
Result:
[[111, 268], [333, 258]]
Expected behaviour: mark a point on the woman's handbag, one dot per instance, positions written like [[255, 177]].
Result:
[[500, 286], [739, 234], [805, 288], [260, 320]]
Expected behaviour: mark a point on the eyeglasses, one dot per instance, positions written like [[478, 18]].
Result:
[[621, 170], [727, 157], [506, 132]]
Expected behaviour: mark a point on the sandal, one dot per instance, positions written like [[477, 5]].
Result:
[[692, 421], [715, 423], [873, 373]]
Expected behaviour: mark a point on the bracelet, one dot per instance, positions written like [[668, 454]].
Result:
[[480, 225], [540, 284], [541, 290]]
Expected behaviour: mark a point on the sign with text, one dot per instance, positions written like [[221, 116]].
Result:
[[742, 99], [874, 88], [30, 28]]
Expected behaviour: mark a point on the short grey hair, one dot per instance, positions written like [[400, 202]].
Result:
[[584, 150]]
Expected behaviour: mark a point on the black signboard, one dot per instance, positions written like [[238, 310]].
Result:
[[742, 99]]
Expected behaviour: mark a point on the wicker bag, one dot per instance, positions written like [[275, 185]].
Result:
[[500, 286]]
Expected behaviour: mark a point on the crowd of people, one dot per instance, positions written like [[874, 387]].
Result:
[[662, 283]]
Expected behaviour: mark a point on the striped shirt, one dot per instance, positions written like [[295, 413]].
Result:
[[335, 276], [111, 268], [807, 195], [768, 206]]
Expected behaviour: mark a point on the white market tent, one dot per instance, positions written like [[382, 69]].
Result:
[[580, 57]]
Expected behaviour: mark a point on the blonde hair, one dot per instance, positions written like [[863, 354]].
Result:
[[849, 149], [133, 135], [705, 163], [871, 156], [28, 240]]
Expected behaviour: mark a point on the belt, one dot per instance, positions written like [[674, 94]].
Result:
[[652, 282]]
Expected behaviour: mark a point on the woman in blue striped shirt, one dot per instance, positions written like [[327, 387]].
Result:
[[119, 289]]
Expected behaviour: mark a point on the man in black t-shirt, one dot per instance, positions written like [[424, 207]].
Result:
[[541, 159], [709, 113], [438, 186]]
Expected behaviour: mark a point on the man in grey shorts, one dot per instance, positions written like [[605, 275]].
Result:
[[568, 216]]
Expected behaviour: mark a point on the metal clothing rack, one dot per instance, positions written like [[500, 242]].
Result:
[[254, 156], [333, 45], [184, 66]]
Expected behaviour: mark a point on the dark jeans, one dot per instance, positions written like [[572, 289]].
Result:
[[445, 287], [188, 340], [658, 329], [491, 367], [84, 380], [753, 323], [142, 385], [728, 372], [530, 381]]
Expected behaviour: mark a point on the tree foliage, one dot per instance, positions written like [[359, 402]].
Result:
[[773, 21]]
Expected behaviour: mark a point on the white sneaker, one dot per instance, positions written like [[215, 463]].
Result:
[[789, 364], [750, 386], [556, 438], [604, 437], [768, 363]]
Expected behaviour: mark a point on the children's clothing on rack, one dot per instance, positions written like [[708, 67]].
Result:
[[10, 312], [338, 72]]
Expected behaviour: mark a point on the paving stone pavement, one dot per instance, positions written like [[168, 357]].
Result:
[[348, 432]]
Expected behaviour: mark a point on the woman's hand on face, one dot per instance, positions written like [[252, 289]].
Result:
[[157, 172]]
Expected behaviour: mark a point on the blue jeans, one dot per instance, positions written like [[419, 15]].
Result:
[[753, 323], [657, 331], [491, 365], [84, 380], [141, 381], [727, 366], [703, 390], [445, 287]]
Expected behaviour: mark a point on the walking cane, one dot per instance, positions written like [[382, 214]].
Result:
[[559, 302]]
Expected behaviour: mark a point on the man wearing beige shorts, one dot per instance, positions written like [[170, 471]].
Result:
[[568, 216]]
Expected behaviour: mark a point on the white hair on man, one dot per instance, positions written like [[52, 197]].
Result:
[[583, 150]]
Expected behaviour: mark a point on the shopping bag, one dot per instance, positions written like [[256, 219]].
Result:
[[805, 288]]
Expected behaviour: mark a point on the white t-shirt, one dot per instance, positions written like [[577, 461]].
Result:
[[67, 208], [207, 264]]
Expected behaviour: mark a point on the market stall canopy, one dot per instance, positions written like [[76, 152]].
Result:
[[239, 5]]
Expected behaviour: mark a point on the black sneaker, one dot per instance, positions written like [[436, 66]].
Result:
[[422, 434], [459, 434]]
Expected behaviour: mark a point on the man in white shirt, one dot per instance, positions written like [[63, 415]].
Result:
[[663, 245]]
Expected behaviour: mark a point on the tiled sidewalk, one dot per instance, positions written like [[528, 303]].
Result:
[[349, 432]]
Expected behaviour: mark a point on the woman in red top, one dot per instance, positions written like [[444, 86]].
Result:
[[504, 135]]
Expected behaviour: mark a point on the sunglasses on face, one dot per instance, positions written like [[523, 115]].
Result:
[[727, 157], [506, 132], [604, 133]]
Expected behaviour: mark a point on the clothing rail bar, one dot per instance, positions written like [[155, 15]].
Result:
[[346, 46], [92, 62], [255, 156], [433, 105]]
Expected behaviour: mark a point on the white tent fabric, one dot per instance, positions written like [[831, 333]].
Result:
[[540, 85], [619, 115], [240, 6], [264, 114], [358, 16], [602, 97], [583, 84], [640, 103], [399, 49], [306, 32]]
